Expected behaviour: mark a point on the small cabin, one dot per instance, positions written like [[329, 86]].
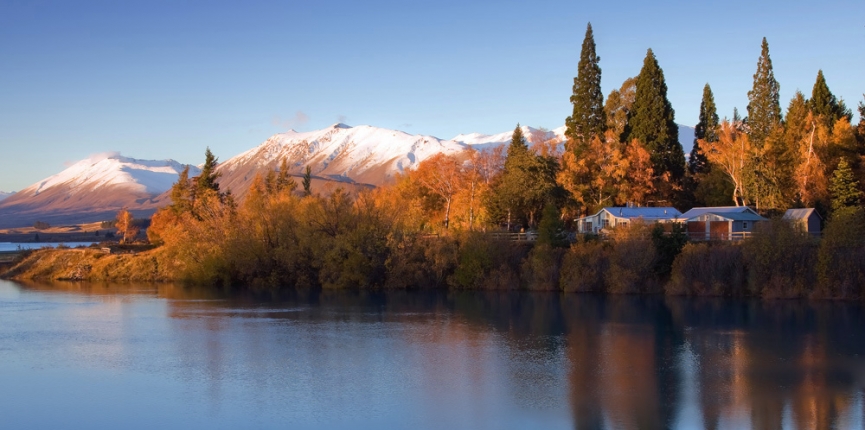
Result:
[[721, 222], [620, 217], [807, 220]]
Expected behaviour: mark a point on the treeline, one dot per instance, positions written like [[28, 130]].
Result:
[[429, 228]]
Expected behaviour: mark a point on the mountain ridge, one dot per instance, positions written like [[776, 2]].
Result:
[[350, 156]]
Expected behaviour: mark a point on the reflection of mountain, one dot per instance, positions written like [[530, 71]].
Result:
[[469, 360]]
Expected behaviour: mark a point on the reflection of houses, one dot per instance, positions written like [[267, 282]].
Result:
[[808, 220], [721, 223], [611, 217]]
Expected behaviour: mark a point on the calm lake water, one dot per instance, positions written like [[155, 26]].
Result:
[[95, 356], [14, 246]]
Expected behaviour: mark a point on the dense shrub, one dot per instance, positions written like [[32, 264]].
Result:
[[780, 261], [702, 269], [584, 267], [841, 256]]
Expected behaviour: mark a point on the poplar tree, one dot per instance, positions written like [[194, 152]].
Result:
[[651, 121], [706, 130], [764, 108], [588, 117], [825, 104]]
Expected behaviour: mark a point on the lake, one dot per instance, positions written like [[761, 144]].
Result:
[[14, 246], [101, 356]]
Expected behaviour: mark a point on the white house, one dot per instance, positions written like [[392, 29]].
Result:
[[806, 219], [721, 223], [612, 217]]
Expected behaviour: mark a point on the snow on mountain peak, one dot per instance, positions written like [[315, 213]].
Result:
[[111, 168], [4, 194]]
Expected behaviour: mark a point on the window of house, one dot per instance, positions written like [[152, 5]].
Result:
[[623, 224], [605, 223], [744, 225]]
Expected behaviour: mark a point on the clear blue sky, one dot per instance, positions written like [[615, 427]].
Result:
[[165, 79]]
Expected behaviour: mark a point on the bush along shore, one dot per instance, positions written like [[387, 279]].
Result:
[[357, 246]]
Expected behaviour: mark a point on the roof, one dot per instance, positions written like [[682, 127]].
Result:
[[643, 212], [800, 213], [734, 213]]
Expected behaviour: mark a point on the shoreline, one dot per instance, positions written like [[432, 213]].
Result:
[[155, 266]]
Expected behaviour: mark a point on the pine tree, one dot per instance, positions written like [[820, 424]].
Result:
[[825, 104], [284, 181], [587, 119], [307, 182], [706, 130], [207, 179], [844, 188], [651, 121], [181, 198], [527, 182], [764, 108]]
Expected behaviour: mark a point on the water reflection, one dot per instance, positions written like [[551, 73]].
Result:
[[474, 360]]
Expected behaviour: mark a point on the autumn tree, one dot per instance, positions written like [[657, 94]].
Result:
[[651, 121], [587, 119], [593, 178], [764, 108], [442, 175], [730, 153], [125, 226]]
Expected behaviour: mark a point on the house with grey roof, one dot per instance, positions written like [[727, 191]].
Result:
[[721, 222], [805, 219], [620, 217]]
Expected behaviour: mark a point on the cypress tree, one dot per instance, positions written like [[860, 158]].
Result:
[[844, 188], [588, 117], [825, 104], [307, 182], [651, 121], [764, 108], [705, 130]]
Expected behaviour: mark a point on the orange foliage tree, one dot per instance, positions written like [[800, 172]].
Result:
[[125, 226], [732, 153]]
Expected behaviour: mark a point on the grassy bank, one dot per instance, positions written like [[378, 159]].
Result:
[[87, 264]]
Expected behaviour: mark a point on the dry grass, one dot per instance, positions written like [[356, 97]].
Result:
[[93, 265]]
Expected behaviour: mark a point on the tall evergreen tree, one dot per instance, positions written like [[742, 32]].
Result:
[[825, 104], [307, 181], [705, 130], [764, 108], [588, 117], [844, 188], [651, 121], [526, 184], [207, 179]]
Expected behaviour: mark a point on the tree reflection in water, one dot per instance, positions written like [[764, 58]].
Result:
[[607, 361]]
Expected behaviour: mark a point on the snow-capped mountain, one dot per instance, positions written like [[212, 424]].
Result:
[[4, 195], [95, 188], [362, 154], [101, 184]]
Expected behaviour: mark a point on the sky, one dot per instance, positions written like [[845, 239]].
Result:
[[167, 79]]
